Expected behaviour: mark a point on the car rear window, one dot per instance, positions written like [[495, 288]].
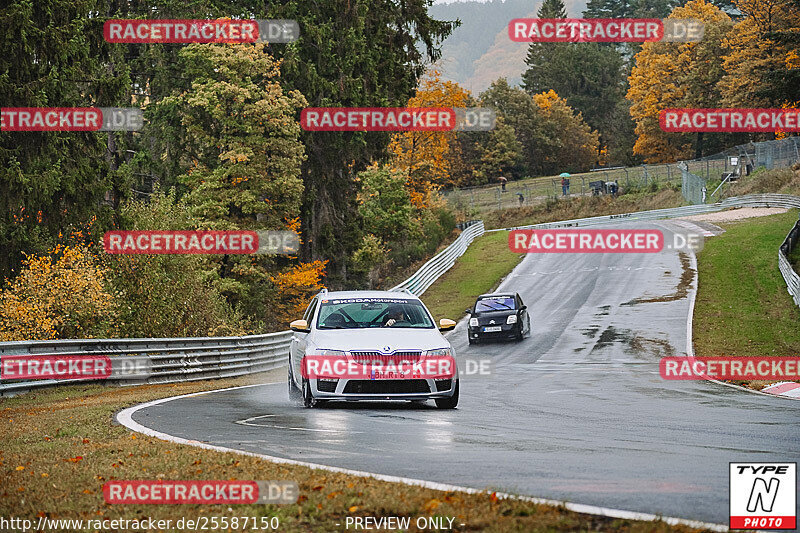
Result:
[[495, 303]]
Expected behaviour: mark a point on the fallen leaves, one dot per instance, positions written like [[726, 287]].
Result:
[[431, 505], [75, 459], [20, 468]]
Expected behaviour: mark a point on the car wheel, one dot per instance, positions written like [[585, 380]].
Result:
[[448, 403], [519, 334], [472, 341], [308, 397], [294, 392]]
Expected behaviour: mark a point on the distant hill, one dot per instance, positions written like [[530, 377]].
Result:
[[479, 51]]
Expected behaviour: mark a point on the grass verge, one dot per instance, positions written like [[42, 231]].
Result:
[[743, 308], [783, 181], [479, 270], [554, 210], [60, 446]]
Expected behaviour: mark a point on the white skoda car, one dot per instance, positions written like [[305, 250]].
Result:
[[358, 328]]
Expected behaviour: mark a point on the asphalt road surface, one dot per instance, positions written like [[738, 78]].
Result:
[[575, 412]]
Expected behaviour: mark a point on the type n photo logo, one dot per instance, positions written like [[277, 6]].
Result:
[[763, 495]]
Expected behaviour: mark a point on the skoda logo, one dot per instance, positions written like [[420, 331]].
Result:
[[387, 348], [491, 322]]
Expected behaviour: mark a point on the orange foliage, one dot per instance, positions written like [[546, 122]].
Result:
[[59, 295], [427, 155], [295, 288]]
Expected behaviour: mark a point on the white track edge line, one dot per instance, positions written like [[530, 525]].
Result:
[[125, 417]]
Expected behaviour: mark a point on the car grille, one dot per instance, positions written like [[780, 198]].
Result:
[[326, 386], [443, 384], [365, 358], [386, 386]]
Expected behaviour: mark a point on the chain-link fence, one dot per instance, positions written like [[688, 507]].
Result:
[[712, 172], [707, 179]]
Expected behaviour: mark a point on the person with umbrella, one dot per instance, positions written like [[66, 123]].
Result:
[[503, 182], [564, 183]]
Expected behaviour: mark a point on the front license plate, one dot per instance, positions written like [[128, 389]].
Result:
[[491, 329]]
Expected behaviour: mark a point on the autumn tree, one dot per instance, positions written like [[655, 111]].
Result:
[[240, 143], [569, 143], [500, 153], [395, 231], [762, 61], [552, 135], [63, 294], [519, 111], [427, 156], [668, 75]]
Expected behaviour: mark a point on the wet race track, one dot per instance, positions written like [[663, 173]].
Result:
[[575, 412]]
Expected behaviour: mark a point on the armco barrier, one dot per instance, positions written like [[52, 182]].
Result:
[[197, 358], [171, 360], [789, 274], [423, 278]]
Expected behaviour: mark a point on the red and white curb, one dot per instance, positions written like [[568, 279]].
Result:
[[787, 389]]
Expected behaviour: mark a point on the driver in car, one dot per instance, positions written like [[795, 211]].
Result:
[[394, 316]]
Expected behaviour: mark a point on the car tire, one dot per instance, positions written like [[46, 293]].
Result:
[[518, 336], [308, 398], [294, 392], [448, 403], [472, 341]]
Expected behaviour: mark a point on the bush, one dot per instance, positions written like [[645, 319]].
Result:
[[169, 295], [61, 295]]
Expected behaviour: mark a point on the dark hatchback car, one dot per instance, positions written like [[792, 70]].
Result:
[[498, 316]]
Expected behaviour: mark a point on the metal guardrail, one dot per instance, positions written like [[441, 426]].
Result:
[[789, 274], [169, 360], [197, 358], [423, 278]]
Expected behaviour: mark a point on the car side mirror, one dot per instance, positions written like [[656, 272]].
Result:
[[300, 326], [468, 311], [524, 307], [446, 324]]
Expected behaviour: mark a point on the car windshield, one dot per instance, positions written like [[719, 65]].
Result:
[[359, 313], [495, 303]]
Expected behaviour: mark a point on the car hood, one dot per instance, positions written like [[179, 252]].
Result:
[[378, 339]]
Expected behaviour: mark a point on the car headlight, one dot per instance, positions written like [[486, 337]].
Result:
[[332, 353], [512, 319], [473, 322], [440, 352]]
